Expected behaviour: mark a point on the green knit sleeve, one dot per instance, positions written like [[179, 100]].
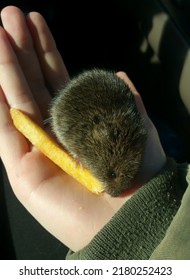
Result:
[[176, 244], [139, 226]]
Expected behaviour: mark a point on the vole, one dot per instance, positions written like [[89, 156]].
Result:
[[96, 119]]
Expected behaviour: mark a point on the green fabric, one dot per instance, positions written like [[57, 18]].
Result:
[[176, 244], [140, 225]]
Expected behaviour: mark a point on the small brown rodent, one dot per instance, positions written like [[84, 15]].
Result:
[[96, 119]]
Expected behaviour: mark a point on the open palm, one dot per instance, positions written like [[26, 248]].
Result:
[[31, 69]]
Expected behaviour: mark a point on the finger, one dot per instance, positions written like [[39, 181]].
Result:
[[13, 145], [137, 96], [126, 79], [12, 80], [19, 35], [54, 70]]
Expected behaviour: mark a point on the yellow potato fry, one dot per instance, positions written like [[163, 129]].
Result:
[[49, 147]]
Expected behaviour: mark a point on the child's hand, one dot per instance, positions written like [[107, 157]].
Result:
[[31, 69]]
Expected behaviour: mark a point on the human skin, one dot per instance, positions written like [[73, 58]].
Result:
[[30, 60]]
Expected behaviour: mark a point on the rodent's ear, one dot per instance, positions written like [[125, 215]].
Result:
[[138, 99]]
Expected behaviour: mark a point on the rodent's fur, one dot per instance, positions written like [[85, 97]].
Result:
[[96, 119]]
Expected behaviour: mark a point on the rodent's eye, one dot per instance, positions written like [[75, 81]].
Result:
[[112, 174], [96, 119]]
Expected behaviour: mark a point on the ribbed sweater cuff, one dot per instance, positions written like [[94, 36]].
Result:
[[141, 223]]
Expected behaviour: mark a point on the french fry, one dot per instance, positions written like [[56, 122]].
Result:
[[49, 147]]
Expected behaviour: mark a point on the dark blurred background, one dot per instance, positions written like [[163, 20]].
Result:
[[112, 35]]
